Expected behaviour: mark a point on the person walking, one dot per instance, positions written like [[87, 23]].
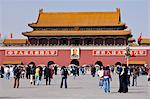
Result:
[[74, 72], [64, 74], [134, 76], [100, 74], [123, 80], [28, 72], [7, 72], [55, 70], [2, 71], [17, 73], [48, 73], [41, 74], [128, 75], [118, 71], [107, 78], [32, 72], [37, 75], [93, 71], [11, 71]]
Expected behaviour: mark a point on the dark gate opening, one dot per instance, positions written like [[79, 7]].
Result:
[[75, 61]]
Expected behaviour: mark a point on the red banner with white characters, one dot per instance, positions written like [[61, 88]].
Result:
[[118, 52], [31, 52]]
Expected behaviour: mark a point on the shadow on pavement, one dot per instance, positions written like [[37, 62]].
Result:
[[75, 88], [11, 97], [130, 92]]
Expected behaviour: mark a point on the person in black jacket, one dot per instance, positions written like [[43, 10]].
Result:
[[64, 74], [32, 72], [17, 72], [55, 70], [28, 72], [124, 79], [93, 71], [47, 75], [41, 73], [2, 71]]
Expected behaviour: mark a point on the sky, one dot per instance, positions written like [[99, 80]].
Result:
[[15, 15]]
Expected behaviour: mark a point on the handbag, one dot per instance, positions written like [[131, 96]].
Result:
[[101, 78]]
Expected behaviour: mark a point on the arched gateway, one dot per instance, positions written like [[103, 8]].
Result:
[[99, 63], [75, 61]]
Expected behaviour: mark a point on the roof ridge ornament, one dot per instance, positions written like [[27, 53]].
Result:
[[118, 10], [41, 10]]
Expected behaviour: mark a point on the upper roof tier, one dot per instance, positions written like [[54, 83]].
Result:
[[63, 19]]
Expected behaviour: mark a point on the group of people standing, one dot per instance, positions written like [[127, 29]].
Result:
[[104, 78], [35, 73], [124, 73]]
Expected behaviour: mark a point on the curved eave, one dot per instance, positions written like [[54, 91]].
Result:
[[82, 25], [145, 41], [15, 41], [75, 33]]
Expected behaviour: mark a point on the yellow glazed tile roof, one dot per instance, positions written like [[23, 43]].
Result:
[[15, 41], [145, 41], [12, 62], [76, 33], [46, 19], [137, 62]]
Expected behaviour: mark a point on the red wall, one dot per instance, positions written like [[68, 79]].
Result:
[[63, 58]]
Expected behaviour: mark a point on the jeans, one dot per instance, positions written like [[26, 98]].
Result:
[[62, 80], [106, 85], [37, 79]]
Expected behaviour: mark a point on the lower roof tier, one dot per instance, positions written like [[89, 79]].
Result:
[[145, 41], [77, 33]]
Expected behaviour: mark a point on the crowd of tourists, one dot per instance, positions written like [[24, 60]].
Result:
[[126, 75], [35, 74]]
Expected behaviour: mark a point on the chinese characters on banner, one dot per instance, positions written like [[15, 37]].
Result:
[[118, 52], [31, 52]]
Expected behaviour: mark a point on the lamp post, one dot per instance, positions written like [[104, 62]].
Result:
[[127, 54]]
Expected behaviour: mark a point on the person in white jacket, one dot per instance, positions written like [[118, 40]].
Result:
[[7, 72], [100, 73]]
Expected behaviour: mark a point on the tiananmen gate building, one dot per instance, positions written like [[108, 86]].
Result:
[[75, 38]]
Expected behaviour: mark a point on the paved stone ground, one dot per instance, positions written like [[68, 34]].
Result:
[[83, 87]]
